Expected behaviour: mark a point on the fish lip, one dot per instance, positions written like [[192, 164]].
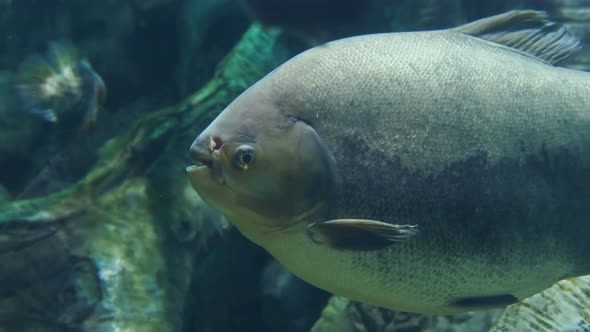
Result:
[[204, 163], [201, 156], [200, 171], [206, 158], [191, 169], [210, 168]]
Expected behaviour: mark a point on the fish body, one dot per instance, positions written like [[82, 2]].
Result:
[[434, 172]]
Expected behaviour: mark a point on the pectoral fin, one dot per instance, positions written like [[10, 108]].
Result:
[[359, 234]]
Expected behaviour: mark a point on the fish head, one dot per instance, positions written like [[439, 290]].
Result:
[[259, 166]]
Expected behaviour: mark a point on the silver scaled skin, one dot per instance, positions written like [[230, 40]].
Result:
[[433, 172]]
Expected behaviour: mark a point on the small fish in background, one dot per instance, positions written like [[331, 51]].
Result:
[[60, 82]]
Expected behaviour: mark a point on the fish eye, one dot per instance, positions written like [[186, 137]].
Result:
[[244, 157]]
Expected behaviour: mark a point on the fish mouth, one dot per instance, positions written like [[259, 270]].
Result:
[[200, 170], [207, 163], [192, 169], [202, 156], [200, 164]]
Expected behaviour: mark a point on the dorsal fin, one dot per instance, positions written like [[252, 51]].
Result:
[[528, 31]]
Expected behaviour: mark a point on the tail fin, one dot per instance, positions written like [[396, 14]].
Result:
[[563, 307]]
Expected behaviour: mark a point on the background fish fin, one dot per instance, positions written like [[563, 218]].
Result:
[[31, 95], [30, 82], [34, 70], [359, 234], [46, 113], [62, 54], [528, 31], [563, 307], [90, 118]]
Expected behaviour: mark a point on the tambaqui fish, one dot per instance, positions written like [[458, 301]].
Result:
[[433, 172]]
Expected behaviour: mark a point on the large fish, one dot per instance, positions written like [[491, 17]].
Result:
[[433, 172]]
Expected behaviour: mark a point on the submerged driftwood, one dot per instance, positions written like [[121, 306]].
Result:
[[115, 251]]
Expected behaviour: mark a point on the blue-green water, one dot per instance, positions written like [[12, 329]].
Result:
[[100, 229]]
